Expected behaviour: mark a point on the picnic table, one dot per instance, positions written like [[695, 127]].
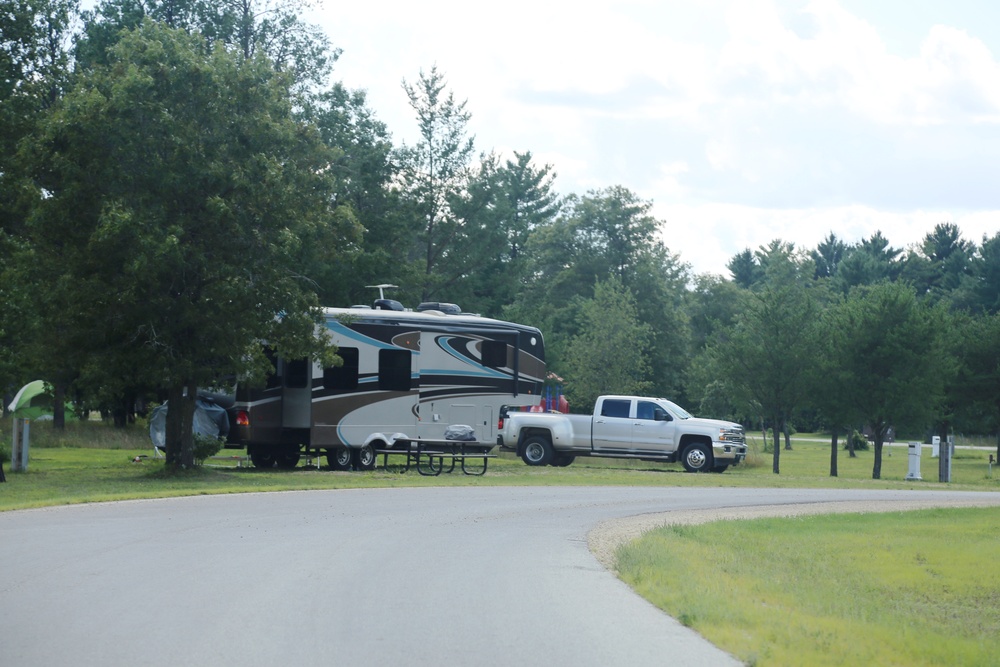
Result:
[[432, 457]]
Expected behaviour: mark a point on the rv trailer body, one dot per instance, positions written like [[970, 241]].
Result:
[[405, 375]]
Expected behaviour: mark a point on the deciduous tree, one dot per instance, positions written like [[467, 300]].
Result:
[[892, 351], [765, 357], [180, 207], [611, 354]]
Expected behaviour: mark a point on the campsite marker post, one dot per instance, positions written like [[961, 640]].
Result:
[[19, 445]]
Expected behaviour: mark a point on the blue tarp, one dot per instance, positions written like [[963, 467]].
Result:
[[209, 419]]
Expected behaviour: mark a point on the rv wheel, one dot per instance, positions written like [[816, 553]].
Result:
[[339, 458], [262, 458], [364, 458], [288, 458]]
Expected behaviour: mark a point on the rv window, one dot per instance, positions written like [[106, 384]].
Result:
[[273, 377], [394, 370], [297, 373], [344, 378], [494, 354]]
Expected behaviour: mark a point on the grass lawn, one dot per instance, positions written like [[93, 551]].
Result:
[[93, 462], [903, 588]]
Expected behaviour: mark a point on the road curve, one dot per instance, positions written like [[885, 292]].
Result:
[[429, 576]]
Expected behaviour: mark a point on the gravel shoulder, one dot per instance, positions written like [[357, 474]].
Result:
[[605, 539]]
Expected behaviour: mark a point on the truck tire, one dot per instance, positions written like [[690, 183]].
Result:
[[563, 460], [364, 458], [697, 457], [339, 458], [537, 451]]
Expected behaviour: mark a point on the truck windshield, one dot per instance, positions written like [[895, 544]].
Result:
[[678, 410]]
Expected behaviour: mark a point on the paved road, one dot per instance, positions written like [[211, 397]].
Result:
[[432, 576]]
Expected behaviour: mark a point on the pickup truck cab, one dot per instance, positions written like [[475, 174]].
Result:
[[635, 427]]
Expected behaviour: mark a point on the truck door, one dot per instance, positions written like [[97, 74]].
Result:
[[612, 427], [652, 428]]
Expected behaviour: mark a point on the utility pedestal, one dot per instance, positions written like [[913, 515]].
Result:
[[914, 461]]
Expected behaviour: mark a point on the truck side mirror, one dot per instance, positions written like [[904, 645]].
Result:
[[661, 415]]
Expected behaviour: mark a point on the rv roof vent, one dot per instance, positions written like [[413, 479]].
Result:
[[446, 308], [388, 304]]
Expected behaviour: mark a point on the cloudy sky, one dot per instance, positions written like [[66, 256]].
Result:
[[742, 121]]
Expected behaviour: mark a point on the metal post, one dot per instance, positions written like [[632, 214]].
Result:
[[19, 445], [951, 453], [944, 460]]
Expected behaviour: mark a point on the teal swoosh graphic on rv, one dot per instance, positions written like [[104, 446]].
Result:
[[444, 342], [347, 332]]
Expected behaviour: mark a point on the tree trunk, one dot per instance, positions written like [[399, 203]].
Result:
[[124, 410], [877, 468], [59, 406], [788, 437], [850, 444], [180, 419], [775, 467], [833, 453]]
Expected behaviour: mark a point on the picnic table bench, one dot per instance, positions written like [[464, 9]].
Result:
[[429, 456]]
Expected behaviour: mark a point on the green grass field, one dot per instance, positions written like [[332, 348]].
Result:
[[903, 588], [915, 588], [93, 462]]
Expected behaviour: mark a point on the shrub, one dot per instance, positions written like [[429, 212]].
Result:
[[205, 446], [860, 441]]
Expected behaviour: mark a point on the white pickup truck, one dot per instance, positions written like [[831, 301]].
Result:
[[633, 427]]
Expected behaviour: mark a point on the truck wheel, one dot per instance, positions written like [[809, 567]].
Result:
[[262, 458], [364, 458], [537, 451], [697, 458], [562, 460], [339, 458]]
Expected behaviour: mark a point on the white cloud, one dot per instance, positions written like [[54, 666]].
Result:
[[743, 120], [707, 236]]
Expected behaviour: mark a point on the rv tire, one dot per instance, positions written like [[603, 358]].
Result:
[[364, 458], [262, 458], [339, 458], [288, 457], [537, 451]]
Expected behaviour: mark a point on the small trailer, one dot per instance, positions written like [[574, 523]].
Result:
[[407, 376]]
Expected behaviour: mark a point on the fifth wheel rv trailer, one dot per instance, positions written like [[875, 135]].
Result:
[[406, 375]]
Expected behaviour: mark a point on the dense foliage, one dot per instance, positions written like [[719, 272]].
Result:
[[179, 179]]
